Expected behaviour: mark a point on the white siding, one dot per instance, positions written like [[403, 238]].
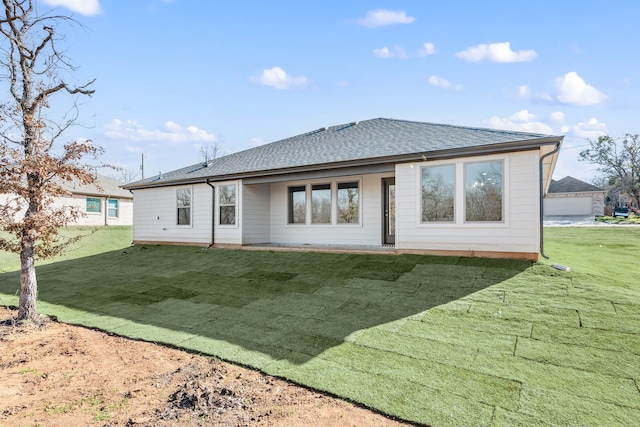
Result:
[[155, 216], [256, 203], [367, 232], [228, 234], [519, 232]]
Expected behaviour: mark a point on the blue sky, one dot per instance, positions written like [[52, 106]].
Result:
[[174, 75]]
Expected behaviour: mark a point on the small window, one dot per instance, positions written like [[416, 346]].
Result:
[[227, 201], [93, 205], [348, 203], [483, 191], [297, 205], [112, 210], [321, 204], [184, 206], [438, 193]]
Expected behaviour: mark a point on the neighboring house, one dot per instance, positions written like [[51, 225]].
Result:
[[573, 197], [107, 205], [416, 187]]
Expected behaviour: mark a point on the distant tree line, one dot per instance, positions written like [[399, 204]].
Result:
[[618, 161]]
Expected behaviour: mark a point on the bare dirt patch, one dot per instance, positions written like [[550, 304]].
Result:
[[54, 374]]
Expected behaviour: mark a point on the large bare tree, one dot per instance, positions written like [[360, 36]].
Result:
[[33, 163], [618, 160]]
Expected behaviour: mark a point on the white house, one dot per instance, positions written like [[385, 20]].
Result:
[[411, 186], [107, 204]]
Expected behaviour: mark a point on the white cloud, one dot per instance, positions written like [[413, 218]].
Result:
[[383, 52], [545, 97], [524, 91], [170, 132], [394, 52], [572, 89], [427, 49], [557, 116], [443, 83], [383, 17], [277, 78], [590, 129], [496, 52], [522, 121], [83, 7]]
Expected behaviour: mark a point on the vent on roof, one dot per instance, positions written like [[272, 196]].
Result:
[[347, 126], [313, 132], [199, 167]]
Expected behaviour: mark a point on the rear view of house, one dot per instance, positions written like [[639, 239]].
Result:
[[416, 187]]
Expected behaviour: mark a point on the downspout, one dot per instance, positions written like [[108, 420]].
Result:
[[106, 210], [213, 211], [555, 150], [132, 242]]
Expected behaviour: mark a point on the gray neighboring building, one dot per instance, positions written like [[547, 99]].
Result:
[[570, 196]]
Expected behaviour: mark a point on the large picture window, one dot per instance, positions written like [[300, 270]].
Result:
[[227, 201], [183, 196], [112, 211], [438, 193], [93, 205], [348, 203], [483, 191], [297, 205], [321, 204]]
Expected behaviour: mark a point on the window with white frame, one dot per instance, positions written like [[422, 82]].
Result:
[[483, 191], [183, 199], [297, 204], [227, 201], [348, 200], [321, 204], [438, 193], [112, 208], [94, 205], [316, 202]]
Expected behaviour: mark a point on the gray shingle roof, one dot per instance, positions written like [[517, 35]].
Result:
[[374, 140], [109, 187], [569, 184]]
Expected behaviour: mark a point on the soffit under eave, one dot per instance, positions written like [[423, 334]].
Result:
[[548, 164]]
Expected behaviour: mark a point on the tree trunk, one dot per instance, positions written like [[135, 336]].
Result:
[[28, 283]]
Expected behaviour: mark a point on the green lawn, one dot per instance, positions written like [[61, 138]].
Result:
[[442, 341], [96, 240]]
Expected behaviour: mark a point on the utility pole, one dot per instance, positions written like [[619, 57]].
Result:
[[142, 164]]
